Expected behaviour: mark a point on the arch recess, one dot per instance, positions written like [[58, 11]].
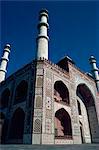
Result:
[[21, 92], [17, 126], [85, 94], [61, 93], [63, 128]]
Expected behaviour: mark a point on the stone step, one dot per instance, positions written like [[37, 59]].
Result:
[[50, 147]]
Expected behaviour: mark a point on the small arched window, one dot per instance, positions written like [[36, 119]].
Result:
[[21, 92], [4, 100]]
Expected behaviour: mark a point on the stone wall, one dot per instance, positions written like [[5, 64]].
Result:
[[40, 107], [11, 83]]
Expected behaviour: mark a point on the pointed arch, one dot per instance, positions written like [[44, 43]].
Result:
[[21, 92], [63, 128], [61, 93], [17, 124], [85, 94]]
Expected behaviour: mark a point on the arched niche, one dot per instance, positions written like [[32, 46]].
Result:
[[21, 92], [85, 94], [61, 93], [17, 126], [63, 128]]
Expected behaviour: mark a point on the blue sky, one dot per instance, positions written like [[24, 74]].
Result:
[[74, 31]]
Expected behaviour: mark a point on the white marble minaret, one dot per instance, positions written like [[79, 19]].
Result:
[[42, 39], [95, 71], [4, 61]]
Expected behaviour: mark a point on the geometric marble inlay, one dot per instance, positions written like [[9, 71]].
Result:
[[37, 126]]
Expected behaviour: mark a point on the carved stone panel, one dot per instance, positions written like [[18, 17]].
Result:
[[38, 101], [48, 113], [37, 126]]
